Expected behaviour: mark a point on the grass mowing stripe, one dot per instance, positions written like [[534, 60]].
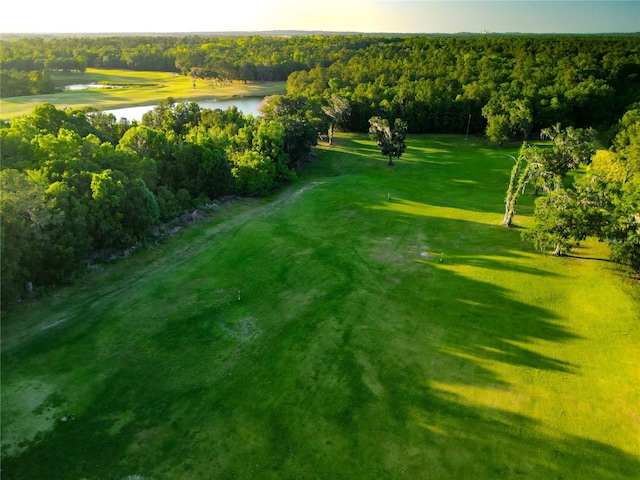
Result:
[[353, 351]]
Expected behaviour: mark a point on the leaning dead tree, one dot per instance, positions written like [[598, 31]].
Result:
[[521, 173], [336, 108], [548, 166]]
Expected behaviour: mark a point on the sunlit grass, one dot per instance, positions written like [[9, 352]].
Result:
[[402, 206], [354, 352], [160, 86]]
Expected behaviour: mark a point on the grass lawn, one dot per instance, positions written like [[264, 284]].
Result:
[[140, 88], [317, 335]]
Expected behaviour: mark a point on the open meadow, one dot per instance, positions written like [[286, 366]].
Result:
[[366, 322], [138, 88]]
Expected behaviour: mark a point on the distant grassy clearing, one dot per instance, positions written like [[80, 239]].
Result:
[[160, 86], [353, 352]]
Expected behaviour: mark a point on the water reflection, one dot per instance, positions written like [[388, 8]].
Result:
[[88, 86], [247, 105]]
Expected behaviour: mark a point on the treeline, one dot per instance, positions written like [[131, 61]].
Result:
[[506, 85], [78, 182], [255, 58], [15, 83], [510, 86]]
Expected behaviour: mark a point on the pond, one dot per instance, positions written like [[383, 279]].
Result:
[[247, 105], [88, 86]]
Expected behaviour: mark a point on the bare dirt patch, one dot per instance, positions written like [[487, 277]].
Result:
[[25, 403], [394, 251], [245, 329]]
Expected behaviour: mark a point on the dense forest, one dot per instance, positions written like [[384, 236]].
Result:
[[517, 84], [76, 183], [255, 58]]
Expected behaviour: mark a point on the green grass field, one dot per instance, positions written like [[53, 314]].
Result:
[[352, 352], [141, 88]]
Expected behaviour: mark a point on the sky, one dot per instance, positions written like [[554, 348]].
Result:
[[384, 16]]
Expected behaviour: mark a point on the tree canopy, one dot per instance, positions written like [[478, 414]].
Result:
[[76, 183], [604, 202], [390, 138], [504, 85]]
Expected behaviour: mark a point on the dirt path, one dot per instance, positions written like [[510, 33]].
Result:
[[15, 331]]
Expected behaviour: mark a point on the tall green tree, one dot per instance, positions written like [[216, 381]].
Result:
[[605, 202], [69, 240], [559, 223], [389, 138], [498, 129], [107, 206], [302, 122], [618, 176], [25, 214], [622, 232], [507, 116], [140, 210], [571, 147], [254, 174]]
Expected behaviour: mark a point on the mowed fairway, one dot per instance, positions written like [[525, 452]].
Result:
[[317, 335], [139, 88]]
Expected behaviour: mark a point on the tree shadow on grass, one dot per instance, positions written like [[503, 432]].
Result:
[[448, 173], [503, 262], [466, 324], [480, 321], [360, 383], [356, 147], [378, 390], [479, 442]]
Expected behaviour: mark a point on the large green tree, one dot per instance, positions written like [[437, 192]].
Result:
[[559, 223], [69, 240], [618, 177], [25, 214], [507, 117], [302, 122], [547, 166], [622, 232], [571, 147], [604, 202], [254, 174], [389, 138], [108, 198]]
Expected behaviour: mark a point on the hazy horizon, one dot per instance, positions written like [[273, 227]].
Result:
[[351, 16]]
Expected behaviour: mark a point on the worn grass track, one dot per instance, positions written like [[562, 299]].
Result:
[[353, 352]]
